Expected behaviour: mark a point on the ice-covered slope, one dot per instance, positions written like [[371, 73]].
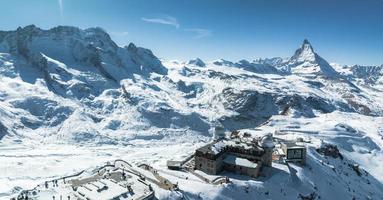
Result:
[[71, 86]]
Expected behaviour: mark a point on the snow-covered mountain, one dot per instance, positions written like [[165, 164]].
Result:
[[197, 62], [68, 86], [306, 61]]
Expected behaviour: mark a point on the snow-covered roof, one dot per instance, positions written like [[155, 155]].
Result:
[[234, 160], [292, 145], [217, 147], [113, 190]]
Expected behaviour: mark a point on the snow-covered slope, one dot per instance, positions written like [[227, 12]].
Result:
[[66, 86]]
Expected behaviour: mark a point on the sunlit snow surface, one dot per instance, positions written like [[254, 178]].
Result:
[[25, 165]]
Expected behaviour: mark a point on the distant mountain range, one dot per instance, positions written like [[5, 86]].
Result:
[[54, 78]]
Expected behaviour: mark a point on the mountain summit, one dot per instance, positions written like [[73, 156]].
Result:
[[197, 62], [305, 53], [306, 61]]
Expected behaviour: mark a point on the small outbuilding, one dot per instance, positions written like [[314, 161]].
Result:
[[294, 152], [174, 165]]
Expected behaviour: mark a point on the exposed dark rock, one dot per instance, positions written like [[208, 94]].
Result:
[[330, 150], [311, 196], [198, 62], [356, 169], [3, 130]]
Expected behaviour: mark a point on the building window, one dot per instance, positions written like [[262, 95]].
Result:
[[294, 154]]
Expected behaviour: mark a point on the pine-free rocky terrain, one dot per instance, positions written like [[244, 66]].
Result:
[[72, 99]]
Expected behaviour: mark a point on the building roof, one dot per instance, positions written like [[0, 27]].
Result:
[[217, 147], [173, 163], [267, 141], [296, 147], [214, 148], [206, 149], [234, 160], [293, 145], [111, 191]]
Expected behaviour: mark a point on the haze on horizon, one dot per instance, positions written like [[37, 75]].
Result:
[[345, 31]]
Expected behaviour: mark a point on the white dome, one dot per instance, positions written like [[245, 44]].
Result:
[[267, 141]]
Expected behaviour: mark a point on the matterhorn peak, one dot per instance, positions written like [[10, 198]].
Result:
[[306, 41], [304, 53], [306, 61], [306, 46]]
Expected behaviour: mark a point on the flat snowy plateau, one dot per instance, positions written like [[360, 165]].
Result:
[[71, 99]]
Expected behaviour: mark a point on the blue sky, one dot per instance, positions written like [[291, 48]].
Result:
[[343, 31]]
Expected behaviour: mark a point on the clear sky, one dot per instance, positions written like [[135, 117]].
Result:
[[342, 31]]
